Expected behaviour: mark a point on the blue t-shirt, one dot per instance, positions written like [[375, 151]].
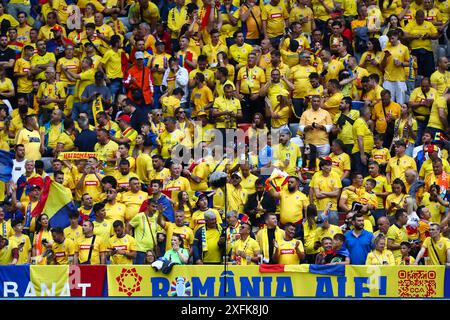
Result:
[[358, 247]]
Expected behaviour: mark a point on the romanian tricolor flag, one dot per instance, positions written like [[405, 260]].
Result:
[[276, 180], [56, 201], [324, 269]]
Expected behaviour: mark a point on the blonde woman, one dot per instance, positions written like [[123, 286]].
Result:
[[380, 255]]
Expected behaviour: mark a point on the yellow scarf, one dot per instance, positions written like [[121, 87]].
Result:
[[263, 239]]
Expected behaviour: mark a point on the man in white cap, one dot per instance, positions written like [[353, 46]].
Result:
[[139, 83]]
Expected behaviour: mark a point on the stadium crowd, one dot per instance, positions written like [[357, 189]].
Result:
[[345, 102]]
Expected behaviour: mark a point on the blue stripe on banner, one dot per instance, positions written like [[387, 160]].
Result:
[[447, 283], [14, 281], [331, 270]]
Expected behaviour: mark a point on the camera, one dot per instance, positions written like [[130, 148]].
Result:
[[44, 242]]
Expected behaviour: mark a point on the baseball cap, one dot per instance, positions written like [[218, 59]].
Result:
[[125, 117], [139, 55], [34, 186], [56, 28], [285, 131], [201, 113]]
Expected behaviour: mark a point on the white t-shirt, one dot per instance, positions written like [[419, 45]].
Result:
[[18, 169]]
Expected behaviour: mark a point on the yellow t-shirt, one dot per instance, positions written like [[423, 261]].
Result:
[[32, 142], [24, 85], [71, 64], [292, 206], [201, 97], [322, 117], [168, 140], [332, 104], [384, 258], [321, 233], [346, 134], [133, 202], [24, 249], [380, 155], [63, 251], [73, 234], [54, 90], [83, 247], [224, 104], [393, 72], [398, 235], [287, 252], [240, 54], [326, 184], [381, 186], [113, 64], [274, 16], [38, 59], [360, 128], [414, 29], [291, 152], [398, 168], [441, 81], [299, 77], [435, 121], [126, 243], [214, 254], [341, 163], [184, 231], [198, 219], [378, 115], [251, 79], [104, 152], [250, 247], [418, 96], [115, 212], [436, 210], [440, 247]]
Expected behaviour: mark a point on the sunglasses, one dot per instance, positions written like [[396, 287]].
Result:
[[181, 111]]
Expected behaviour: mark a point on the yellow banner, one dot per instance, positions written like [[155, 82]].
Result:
[[247, 281], [76, 155], [50, 281], [129, 280]]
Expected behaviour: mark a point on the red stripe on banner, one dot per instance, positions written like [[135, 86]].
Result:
[[271, 268], [87, 280]]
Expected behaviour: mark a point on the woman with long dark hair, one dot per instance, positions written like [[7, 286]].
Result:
[[185, 205], [371, 59], [42, 238], [396, 199], [309, 228], [310, 163]]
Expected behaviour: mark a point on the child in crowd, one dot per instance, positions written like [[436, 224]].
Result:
[[406, 258], [380, 154]]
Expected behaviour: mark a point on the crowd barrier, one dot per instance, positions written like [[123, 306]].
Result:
[[237, 281]]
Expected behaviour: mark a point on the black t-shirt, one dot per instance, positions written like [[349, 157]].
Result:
[[6, 55], [86, 141], [271, 236]]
